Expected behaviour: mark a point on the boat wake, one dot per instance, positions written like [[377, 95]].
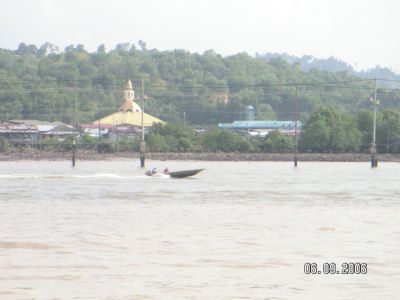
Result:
[[158, 175], [64, 176]]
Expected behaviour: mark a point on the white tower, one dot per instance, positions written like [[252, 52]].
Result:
[[128, 103], [129, 93]]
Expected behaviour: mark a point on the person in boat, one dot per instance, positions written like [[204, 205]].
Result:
[[166, 171]]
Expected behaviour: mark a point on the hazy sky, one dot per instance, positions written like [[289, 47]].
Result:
[[364, 33]]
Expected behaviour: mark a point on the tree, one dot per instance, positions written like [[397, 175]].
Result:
[[171, 137], [315, 137], [26, 49], [209, 140], [351, 137], [142, 45], [101, 49], [275, 142], [123, 47], [156, 143], [265, 112], [225, 141], [47, 49], [329, 130], [388, 132], [4, 145], [364, 125]]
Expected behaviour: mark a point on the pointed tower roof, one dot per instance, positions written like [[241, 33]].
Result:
[[129, 85]]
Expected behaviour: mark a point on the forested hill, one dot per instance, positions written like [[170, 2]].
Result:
[[37, 83]]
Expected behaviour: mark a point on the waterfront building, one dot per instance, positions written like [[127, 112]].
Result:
[[262, 128], [33, 131], [252, 127]]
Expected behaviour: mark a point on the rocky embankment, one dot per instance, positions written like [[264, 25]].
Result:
[[219, 156], [210, 156]]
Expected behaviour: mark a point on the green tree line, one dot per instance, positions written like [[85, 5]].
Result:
[[36, 82]]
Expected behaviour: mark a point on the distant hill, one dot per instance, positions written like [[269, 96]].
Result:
[[308, 62], [332, 64]]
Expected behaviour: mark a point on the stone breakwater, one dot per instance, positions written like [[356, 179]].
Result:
[[209, 156]]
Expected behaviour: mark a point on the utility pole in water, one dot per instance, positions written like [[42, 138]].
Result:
[[142, 142], [73, 126], [374, 157], [295, 127]]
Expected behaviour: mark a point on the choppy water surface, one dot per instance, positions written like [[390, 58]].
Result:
[[237, 230]]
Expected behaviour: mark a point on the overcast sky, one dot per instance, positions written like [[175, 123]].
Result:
[[364, 33]]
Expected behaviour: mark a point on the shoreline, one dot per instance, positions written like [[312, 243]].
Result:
[[206, 156]]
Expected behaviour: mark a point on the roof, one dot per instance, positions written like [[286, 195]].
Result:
[[17, 127], [130, 118], [37, 122], [63, 128], [44, 128], [96, 126], [129, 105], [261, 125]]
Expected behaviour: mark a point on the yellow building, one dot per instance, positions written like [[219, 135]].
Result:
[[129, 113]]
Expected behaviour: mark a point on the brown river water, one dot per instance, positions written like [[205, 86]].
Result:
[[238, 230]]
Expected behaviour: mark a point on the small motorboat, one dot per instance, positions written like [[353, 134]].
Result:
[[176, 174], [185, 173]]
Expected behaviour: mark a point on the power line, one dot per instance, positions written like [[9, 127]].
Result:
[[209, 84], [389, 80]]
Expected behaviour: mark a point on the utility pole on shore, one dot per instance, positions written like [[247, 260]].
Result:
[[295, 128], [142, 142], [374, 157], [74, 126]]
